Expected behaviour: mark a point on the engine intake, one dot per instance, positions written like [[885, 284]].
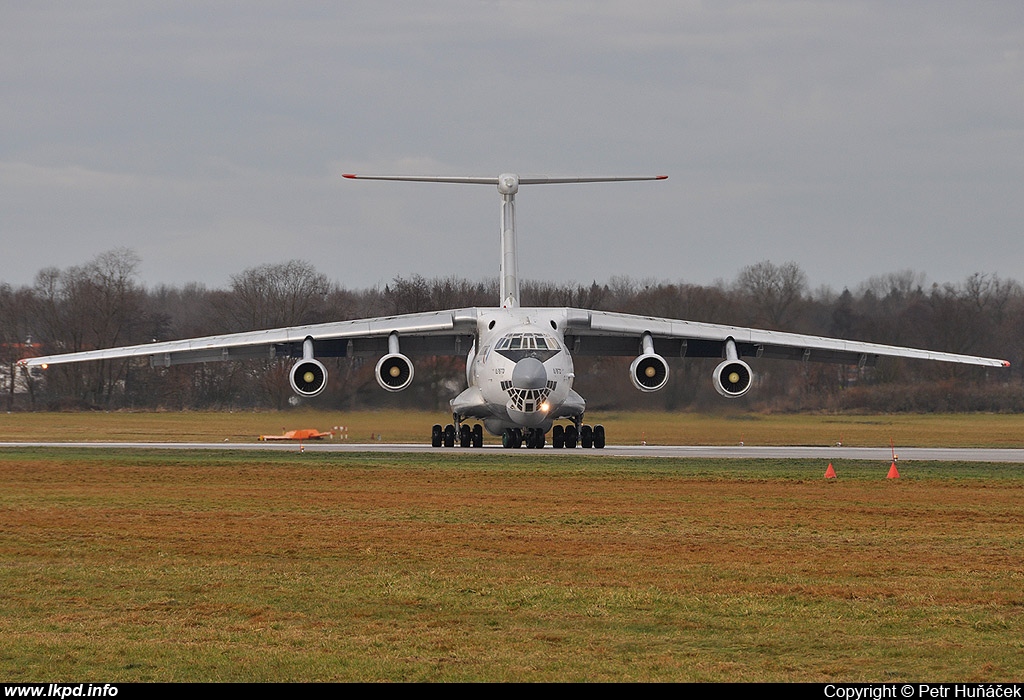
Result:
[[732, 378], [308, 377], [394, 371], [649, 372]]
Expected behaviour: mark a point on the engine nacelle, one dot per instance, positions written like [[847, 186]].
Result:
[[649, 372], [308, 377], [394, 371], [732, 378]]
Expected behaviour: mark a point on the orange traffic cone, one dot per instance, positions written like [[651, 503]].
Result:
[[893, 474], [830, 473]]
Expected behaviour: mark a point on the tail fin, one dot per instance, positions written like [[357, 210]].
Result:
[[508, 185]]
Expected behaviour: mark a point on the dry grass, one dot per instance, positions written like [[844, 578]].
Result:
[[125, 566], [931, 430]]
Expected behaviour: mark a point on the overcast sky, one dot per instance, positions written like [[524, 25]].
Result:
[[855, 138]]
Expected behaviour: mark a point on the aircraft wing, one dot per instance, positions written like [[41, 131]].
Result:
[[606, 333], [435, 333]]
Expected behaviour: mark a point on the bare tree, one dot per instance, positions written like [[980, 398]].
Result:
[[14, 337], [273, 295], [99, 304], [85, 307], [772, 292]]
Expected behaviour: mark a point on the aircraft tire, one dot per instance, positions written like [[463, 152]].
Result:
[[436, 436], [449, 435], [508, 439], [586, 437], [465, 436], [478, 435], [570, 436], [558, 437], [599, 437]]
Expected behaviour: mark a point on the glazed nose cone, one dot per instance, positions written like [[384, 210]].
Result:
[[529, 373]]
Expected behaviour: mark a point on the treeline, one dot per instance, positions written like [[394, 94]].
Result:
[[102, 303]]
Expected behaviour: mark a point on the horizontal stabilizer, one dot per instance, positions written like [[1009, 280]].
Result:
[[527, 180], [508, 185]]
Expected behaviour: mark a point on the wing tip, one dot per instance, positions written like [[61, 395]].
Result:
[[661, 177], [350, 176], [1006, 363]]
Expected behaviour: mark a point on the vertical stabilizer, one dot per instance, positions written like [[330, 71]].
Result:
[[508, 185]]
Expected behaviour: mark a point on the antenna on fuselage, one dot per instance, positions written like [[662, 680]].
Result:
[[508, 185]]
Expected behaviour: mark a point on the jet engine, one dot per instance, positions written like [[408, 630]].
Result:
[[308, 377], [649, 372], [394, 371], [732, 378]]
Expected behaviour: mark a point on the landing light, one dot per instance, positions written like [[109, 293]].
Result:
[[544, 407], [44, 366]]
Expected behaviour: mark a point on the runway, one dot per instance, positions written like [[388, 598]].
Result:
[[879, 454]]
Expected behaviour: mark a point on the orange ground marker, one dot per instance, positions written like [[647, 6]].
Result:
[[830, 473], [893, 474]]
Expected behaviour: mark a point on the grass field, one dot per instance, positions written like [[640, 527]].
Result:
[[122, 565], [906, 430]]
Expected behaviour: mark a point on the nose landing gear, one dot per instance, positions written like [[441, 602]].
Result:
[[532, 438]]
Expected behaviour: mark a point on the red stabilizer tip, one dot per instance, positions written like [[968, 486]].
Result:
[[1006, 363], [350, 176]]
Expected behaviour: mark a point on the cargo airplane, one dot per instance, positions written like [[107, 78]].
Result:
[[519, 367]]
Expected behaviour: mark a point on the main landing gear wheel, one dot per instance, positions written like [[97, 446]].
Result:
[[571, 436], [557, 437], [449, 435], [535, 438], [588, 437]]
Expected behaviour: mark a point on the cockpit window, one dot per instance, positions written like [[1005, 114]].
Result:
[[516, 346], [527, 341]]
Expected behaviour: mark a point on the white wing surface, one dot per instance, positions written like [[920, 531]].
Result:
[[436, 333], [451, 333], [606, 333]]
